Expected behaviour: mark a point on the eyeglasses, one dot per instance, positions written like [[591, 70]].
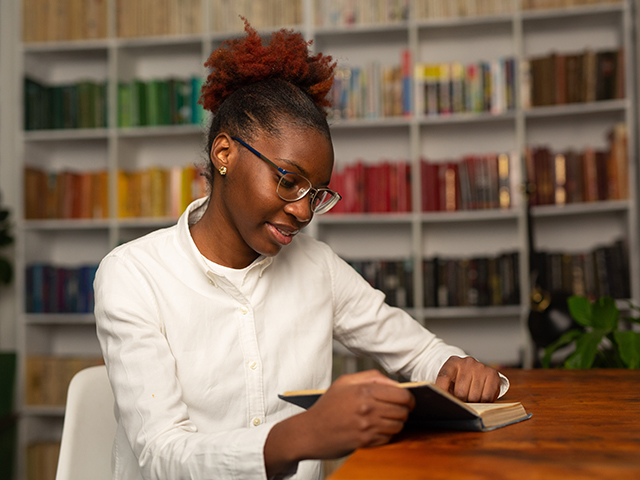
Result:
[[293, 186]]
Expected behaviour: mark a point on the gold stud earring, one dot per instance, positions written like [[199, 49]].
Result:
[[223, 171]]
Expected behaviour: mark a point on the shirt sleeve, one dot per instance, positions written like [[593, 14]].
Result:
[[366, 324], [148, 394]]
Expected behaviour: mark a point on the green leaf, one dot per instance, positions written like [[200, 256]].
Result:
[[565, 339], [581, 310], [586, 349], [629, 346], [6, 272], [604, 314]]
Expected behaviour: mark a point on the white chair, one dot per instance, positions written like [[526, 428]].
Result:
[[89, 428]]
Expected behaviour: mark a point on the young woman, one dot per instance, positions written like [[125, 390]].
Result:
[[204, 323]]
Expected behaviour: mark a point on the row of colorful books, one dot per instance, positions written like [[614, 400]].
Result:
[[79, 105], [338, 13], [50, 21], [392, 277], [562, 78], [263, 14], [372, 91], [603, 271], [376, 188], [549, 4], [462, 8], [475, 182], [66, 194], [57, 289], [159, 192], [42, 460], [573, 176], [47, 377], [137, 18], [160, 102], [445, 88], [474, 282], [152, 192]]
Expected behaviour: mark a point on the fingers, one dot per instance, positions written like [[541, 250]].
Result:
[[368, 376], [469, 380]]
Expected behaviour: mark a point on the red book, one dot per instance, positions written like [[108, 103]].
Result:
[[393, 187], [401, 179], [430, 187], [384, 181]]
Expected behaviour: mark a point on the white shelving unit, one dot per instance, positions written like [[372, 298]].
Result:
[[492, 334]]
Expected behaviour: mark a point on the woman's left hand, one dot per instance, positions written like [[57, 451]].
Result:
[[469, 380]]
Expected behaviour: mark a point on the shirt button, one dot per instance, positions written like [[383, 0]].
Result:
[[256, 421], [211, 281], [253, 365], [244, 310]]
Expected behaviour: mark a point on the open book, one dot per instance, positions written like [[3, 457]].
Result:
[[436, 408]]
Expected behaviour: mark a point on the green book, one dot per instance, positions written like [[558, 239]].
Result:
[[138, 103], [57, 107], [153, 103], [197, 112], [164, 102], [124, 105]]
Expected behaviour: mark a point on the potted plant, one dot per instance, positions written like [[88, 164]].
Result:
[[599, 342], [7, 365], [6, 270]]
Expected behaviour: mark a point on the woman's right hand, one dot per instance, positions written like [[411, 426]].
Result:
[[359, 410]]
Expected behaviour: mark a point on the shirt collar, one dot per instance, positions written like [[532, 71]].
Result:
[[191, 215]]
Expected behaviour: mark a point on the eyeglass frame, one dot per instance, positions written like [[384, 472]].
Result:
[[311, 190]]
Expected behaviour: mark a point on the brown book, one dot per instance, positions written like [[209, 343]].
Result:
[[561, 80], [34, 380], [589, 76], [590, 175], [574, 176], [574, 76], [436, 408], [560, 179]]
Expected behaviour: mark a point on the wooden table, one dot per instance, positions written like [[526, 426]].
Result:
[[585, 425]]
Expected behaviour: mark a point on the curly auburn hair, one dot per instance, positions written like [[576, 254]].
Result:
[[260, 88]]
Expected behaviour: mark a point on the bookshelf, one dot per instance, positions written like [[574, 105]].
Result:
[[491, 333]]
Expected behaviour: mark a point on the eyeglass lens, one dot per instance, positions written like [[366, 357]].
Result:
[[292, 187]]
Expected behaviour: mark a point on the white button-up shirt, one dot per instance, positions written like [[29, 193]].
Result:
[[196, 360]]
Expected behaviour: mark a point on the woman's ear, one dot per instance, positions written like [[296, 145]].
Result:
[[220, 151]]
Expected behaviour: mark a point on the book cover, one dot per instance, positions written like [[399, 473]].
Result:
[[436, 408]]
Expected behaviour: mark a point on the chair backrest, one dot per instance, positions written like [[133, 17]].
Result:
[[89, 428]]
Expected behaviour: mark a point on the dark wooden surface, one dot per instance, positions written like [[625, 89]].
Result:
[[585, 425]]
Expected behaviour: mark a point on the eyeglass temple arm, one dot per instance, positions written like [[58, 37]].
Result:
[[259, 155]]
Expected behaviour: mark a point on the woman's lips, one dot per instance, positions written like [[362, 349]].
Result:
[[283, 237]]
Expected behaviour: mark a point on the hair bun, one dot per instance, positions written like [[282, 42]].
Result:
[[242, 61]]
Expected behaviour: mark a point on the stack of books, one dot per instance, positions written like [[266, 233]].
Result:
[[472, 282], [383, 187], [160, 102], [393, 277], [476, 182], [159, 192], [563, 78], [79, 105], [64, 195], [446, 88], [57, 289], [574, 176]]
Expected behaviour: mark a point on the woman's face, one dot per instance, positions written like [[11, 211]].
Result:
[[257, 220]]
